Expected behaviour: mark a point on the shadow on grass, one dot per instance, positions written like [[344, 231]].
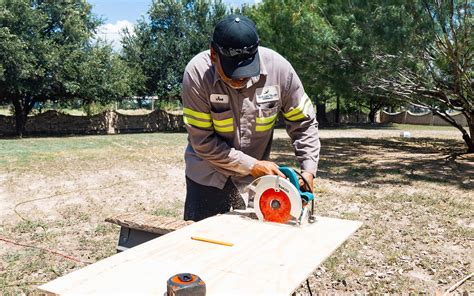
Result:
[[393, 161]]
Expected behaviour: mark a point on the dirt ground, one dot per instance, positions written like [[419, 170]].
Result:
[[414, 195]]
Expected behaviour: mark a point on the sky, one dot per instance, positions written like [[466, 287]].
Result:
[[120, 14]]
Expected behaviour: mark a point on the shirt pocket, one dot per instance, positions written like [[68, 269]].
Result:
[[223, 123], [266, 118]]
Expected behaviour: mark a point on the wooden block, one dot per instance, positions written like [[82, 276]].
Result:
[[149, 223], [265, 259]]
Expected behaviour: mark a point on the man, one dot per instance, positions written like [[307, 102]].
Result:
[[232, 95]]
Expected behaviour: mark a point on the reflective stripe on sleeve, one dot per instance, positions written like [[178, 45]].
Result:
[[224, 125], [226, 129], [301, 111], [223, 122], [197, 123], [196, 114]]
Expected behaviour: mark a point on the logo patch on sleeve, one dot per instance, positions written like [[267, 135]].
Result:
[[219, 98], [268, 94]]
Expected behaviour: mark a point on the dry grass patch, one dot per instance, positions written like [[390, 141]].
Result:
[[413, 195]]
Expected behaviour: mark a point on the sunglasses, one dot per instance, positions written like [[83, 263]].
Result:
[[234, 52]]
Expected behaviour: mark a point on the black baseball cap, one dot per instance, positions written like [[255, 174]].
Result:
[[235, 40]]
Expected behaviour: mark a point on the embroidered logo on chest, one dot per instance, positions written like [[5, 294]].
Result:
[[268, 94], [219, 98]]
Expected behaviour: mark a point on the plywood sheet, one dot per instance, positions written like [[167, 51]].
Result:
[[266, 259]]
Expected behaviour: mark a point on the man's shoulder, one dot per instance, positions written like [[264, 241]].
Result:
[[273, 61], [200, 62], [270, 55]]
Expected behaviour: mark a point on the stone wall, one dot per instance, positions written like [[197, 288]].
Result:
[[156, 121], [56, 123], [7, 125], [407, 117], [112, 122], [109, 122]]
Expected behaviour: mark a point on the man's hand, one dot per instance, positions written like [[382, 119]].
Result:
[[263, 168], [309, 177]]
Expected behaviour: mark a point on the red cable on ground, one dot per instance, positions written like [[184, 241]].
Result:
[[46, 250]]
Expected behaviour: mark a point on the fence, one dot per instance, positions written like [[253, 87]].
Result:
[[407, 117], [109, 122], [112, 122]]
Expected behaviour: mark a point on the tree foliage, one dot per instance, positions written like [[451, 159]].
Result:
[[330, 43], [162, 45], [435, 71], [46, 53], [296, 30], [377, 53]]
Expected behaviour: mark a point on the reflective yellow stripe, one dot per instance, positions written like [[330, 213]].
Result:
[[299, 109], [297, 117], [266, 119], [262, 128], [223, 122], [302, 114], [304, 111], [196, 114], [226, 129], [195, 122]]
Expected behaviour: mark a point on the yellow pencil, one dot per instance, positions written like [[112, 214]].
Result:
[[211, 241]]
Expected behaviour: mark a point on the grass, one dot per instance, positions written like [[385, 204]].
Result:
[[170, 209], [25, 151], [413, 195], [413, 127]]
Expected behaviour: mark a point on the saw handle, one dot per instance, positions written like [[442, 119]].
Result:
[[292, 176]]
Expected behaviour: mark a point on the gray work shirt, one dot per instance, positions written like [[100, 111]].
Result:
[[229, 129]]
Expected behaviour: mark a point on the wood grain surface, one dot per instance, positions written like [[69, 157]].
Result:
[[265, 259]]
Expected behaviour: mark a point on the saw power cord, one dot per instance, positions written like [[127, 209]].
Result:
[[23, 284], [68, 257], [309, 288], [72, 191], [46, 250]]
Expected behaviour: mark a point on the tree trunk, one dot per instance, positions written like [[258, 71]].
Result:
[[373, 111], [469, 139], [338, 109], [372, 114], [321, 112], [22, 109]]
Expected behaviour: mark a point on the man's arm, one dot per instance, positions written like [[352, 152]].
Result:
[[301, 125]]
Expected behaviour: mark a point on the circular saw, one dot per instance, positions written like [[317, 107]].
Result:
[[281, 200]]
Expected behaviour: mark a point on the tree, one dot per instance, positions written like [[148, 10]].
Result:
[[360, 29], [296, 30], [435, 72], [331, 45], [160, 47], [46, 53]]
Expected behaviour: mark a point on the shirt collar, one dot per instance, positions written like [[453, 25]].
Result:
[[253, 80]]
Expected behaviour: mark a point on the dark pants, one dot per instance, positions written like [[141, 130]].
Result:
[[206, 201]]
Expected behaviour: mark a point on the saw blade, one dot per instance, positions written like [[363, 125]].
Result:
[[275, 206], [281, 200]]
